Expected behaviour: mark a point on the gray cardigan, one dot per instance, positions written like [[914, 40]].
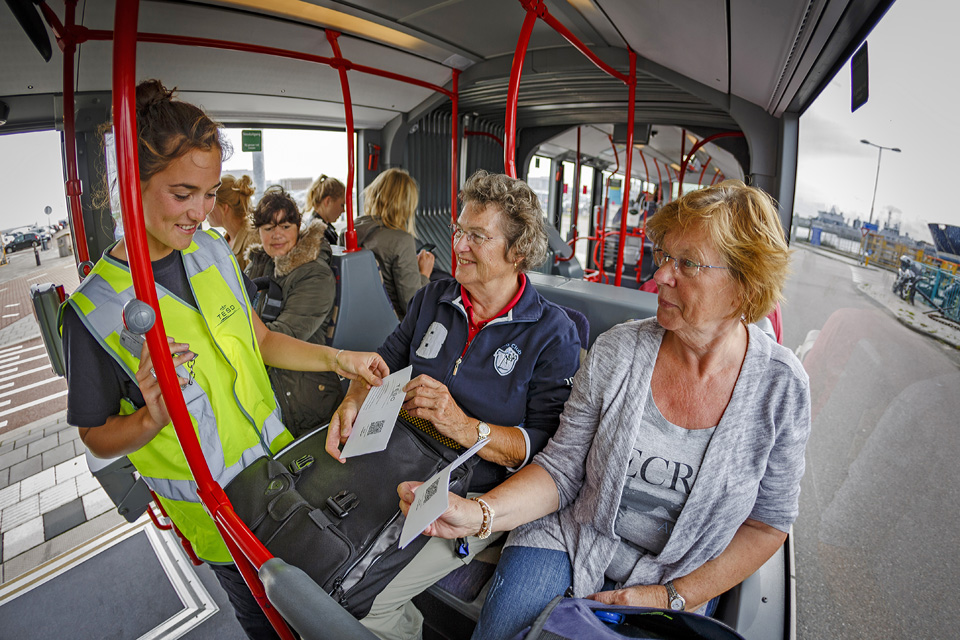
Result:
[[751, 469]]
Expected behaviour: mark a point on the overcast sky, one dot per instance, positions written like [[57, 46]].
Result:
[[912, 86]]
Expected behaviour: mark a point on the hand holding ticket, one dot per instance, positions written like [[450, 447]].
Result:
[[377, 416], [432, 498]]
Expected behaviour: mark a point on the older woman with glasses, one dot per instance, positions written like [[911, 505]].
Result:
[[491, 360], [675, 472]]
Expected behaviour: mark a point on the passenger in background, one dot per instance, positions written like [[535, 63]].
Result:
[[232, 212], [326, 199], [386, 229], [675, 471], [299, 304]]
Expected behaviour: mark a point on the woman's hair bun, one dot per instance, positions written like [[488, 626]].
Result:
[[245, 186], [151, 93]]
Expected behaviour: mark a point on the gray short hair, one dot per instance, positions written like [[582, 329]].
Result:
[[522, 220]]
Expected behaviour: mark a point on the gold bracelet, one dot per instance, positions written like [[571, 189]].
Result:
[[486, 525]]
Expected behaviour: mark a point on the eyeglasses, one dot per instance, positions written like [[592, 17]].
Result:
[[684, 266], [474, 239]]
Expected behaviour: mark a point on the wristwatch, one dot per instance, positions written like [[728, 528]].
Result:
[[483, 430], [677, 603]]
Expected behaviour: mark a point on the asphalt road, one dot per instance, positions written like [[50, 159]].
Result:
[[876, 536]]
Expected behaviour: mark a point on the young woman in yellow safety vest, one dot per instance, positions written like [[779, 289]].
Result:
[[219, 345]]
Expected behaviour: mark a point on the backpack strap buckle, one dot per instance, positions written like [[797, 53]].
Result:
[[343, 503]]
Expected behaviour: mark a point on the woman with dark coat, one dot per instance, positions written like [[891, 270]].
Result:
[[298, 262]]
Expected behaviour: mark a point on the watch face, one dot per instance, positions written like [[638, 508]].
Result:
[[676, 604], [484, 430]]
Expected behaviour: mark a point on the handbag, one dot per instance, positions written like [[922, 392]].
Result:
[[575, 618], [340, 523]]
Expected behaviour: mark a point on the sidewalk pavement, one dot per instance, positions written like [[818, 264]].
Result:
[[877, 283]]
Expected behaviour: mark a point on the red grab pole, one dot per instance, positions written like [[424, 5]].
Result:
[[341, 66], [704, 170], [73, 186], [575, 214], [454, 168], [513, 93], [138, 255], [631, 111]]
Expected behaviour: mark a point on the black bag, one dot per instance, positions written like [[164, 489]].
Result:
[[572, 619], [340, 523]]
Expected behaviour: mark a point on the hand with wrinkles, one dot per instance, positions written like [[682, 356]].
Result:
[[431, 400]]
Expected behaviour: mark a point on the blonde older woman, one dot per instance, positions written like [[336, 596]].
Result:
[[675, 472], [386, 229]]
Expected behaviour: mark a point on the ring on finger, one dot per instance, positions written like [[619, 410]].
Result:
[[153, 373]]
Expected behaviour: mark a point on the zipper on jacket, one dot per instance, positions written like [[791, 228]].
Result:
[[456, 365]]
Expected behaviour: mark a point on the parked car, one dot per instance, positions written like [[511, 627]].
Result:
[[24, 241]]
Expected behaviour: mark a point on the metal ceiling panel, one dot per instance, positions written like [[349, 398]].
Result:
[[688, 36]]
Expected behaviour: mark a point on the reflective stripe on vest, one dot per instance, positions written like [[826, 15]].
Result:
[[223, 337]]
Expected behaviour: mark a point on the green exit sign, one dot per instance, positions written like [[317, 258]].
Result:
[[251, 140]]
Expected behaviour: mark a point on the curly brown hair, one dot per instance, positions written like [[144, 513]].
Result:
[[522, 217]]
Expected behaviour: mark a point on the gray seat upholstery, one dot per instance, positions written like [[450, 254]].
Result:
[[363, 316], [604, 305]]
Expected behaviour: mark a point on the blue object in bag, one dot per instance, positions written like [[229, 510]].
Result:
[[575, 618]]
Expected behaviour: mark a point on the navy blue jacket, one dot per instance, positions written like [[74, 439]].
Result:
[[517, 371]]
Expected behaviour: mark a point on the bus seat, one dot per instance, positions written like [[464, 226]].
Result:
[[560, 258], [46, 299], [603, 305], [362, 316]]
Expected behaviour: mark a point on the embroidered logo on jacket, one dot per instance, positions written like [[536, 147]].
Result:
[[505, 358]]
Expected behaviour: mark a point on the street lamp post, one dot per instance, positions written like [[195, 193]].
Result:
[[877, 181]]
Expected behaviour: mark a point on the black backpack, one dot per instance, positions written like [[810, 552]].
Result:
[[340, 523]]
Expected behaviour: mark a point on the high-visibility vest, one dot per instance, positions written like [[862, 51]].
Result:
[[231, 403]]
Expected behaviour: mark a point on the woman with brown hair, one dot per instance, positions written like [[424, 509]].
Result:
[[232, 213], [218, 344], [326, 198], [386, 229]]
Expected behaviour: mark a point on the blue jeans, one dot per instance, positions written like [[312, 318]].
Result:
[[526, 580]]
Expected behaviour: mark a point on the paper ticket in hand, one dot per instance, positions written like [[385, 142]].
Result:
[[377, 416], [431, 498]]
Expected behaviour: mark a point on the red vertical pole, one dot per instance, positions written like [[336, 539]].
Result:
[[342, 65], [631, 112], [575, 214], [138, 255], [704, 170], [73, 186], [513, 93], [656, 163], [454, 166], [683, 160]]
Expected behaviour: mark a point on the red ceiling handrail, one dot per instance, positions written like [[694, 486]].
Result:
[[210, 43], [696, 147], [485, 134]]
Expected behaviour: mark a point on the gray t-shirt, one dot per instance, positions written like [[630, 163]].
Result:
[[664, 464]]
